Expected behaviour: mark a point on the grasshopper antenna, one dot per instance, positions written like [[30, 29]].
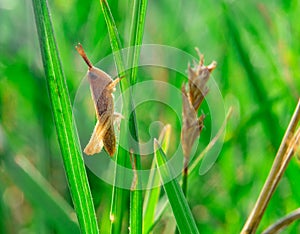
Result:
[[80, 50]]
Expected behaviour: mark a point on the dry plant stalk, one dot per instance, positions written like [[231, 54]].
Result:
[[287, 149], [283, 222], [192, 98]]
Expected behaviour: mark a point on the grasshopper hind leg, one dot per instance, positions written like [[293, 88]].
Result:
[[109, 140], [96, 143]]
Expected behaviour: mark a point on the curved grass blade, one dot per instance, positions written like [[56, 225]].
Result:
[[183, 215], [283, 222], [62, 113]]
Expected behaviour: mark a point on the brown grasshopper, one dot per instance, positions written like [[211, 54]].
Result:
[[102, 86]]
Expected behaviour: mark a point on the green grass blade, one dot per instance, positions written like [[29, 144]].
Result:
[[161, 207], [136, 36], [115, 42], [183, 215], [152, 195], [151, 199], [136, 208], [62, 112], [119, 195], [136, 194], [136, 39], [44, 197]]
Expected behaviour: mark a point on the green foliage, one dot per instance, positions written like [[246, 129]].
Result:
[[119, 195], [62, 113], [178, 202], [256, 47], [136, 193], [152, 195]]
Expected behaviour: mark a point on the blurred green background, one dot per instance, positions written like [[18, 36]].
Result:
[[256, 45]]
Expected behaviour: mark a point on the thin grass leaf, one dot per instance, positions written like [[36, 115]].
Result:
[[118, 201], [135, 202], [119, 195], [152, 195], [136, 36], [115, 43], [137, 29], [183, 215], [136, 210], [136, 194], [62, 112], [151, 199], [44, 197], [160, 209]]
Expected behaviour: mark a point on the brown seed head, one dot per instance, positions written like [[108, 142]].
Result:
[[192, 99]]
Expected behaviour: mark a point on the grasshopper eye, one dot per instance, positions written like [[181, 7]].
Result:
[[92, 75]]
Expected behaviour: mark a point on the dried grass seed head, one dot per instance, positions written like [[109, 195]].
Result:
[[192, 98], [198, 77]]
